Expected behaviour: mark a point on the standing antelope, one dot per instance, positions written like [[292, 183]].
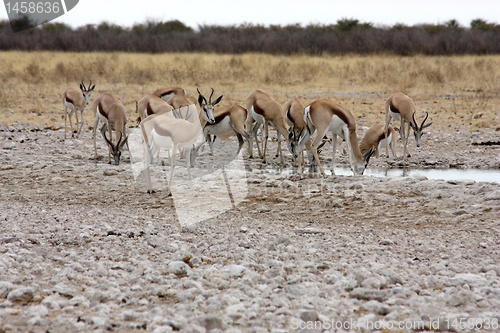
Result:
[[167, 92], [401, 107], [108, 109], [294, 112], [164, 131], [326, 115], [222, 120], [375, 137], [264, 110], [76, 101]]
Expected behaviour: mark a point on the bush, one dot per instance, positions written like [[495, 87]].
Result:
[[346, 36]]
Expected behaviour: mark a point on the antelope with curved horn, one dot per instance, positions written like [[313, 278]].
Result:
[[108, 109], [222, 120], [375, 137], [328, 116], [76, 101], [163, 131], [167, 92], [266, 110], [401, 107]]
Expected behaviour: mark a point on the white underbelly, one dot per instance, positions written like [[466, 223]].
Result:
[[161, 141], [221, 128], [383, 142], [69, 105], [101, 117], [337, 126], [395, 115], [167, 96], [258, 118]]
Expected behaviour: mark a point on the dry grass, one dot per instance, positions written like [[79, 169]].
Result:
[[460, 92]]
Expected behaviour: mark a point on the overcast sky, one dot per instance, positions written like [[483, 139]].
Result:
[[282, 12]]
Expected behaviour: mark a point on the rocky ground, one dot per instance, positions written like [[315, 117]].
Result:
[[84, 248]]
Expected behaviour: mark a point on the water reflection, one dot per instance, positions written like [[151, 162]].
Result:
[[477, 175]]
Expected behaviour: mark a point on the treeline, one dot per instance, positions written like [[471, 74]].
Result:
[[344, 37]]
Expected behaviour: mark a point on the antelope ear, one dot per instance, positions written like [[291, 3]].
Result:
[[217, 100], [290, 134], [81, 87], [92, 88], [200, 100]]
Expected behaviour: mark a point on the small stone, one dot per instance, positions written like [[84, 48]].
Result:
[[472, 280], [165, 329], [129, 315], [37, 311], [371, 282], [369, 294], [20, 295], [110, 172], [386, 242], [179, 268], [6, 288], [283, 240], [210, 322], [308, 315], [309, 231], [376, 307], [234, 271], [461, 298]]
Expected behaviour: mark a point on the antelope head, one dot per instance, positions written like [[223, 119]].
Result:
[[418, 131], [360, 168], [293, 141], [208, 107], [86, 91], [116, 150]]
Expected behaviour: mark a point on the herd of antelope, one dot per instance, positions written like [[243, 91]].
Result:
[[168, 119]]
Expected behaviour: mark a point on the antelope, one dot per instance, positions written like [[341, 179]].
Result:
[[151, 104], [222, 120], [327, 115], [264, 110], [108, 109], [76, 101], [294, 116], [401, 107], [375, 137], [167, 92], [164, 131]]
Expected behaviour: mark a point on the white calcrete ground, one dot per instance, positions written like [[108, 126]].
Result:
[[84, 248]]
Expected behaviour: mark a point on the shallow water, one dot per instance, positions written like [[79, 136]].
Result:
[[477, 175]]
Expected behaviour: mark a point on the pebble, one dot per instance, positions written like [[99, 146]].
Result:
[[234, 271], [179, 268], [20, 295]]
